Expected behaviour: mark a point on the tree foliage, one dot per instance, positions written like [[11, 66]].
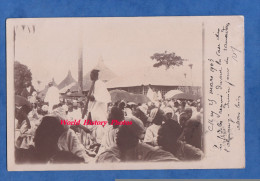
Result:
[[167, 59], [22, 77]]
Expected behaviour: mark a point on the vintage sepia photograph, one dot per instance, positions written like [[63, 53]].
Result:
[[124, 93]]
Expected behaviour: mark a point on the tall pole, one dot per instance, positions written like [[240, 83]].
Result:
[[80, 69], [80, 61]]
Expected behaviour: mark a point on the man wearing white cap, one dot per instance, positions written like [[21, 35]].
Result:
[[169, 114]]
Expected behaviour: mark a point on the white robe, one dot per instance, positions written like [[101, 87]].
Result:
[[151, 134], [52, 97], [98, 108]]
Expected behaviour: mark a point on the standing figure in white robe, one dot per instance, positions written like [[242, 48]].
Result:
[[97, 106], [52, 96]]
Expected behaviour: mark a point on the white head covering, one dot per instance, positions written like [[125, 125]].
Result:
[[34, 93], [45, 108], [65, 107]]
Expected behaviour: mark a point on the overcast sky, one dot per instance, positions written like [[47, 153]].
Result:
[[124, 44]]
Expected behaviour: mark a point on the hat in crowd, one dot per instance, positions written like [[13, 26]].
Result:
[[167, 110], [153, 113], [45, 108], [143, 108], [137, 126], [65, 107], [59, 112], [34, 93]]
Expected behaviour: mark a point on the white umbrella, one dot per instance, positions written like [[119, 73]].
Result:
[[172, 93], [131, 103]]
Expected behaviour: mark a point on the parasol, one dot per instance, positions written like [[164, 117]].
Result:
[[172, 93], [21, 101], [185, 96], [131, 103], [140, 98], [118, 95]]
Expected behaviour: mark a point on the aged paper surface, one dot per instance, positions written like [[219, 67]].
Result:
[[212, 74]]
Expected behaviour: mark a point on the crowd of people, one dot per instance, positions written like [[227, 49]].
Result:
[[167, 130]]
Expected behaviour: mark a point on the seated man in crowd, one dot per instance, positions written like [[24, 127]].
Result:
[[192, 133], [168, 139], [129, 149], [52, 140]]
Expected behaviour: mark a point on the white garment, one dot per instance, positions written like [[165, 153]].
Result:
[[69, 141], [150, 94], [109, 138], [128, 112], [29, 88], [151, 134], [98, 108], [52, 97], [101, 93]]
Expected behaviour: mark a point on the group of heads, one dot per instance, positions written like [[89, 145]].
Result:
[[169, 133]]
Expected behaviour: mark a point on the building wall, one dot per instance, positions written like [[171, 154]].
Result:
[[164, 89]]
